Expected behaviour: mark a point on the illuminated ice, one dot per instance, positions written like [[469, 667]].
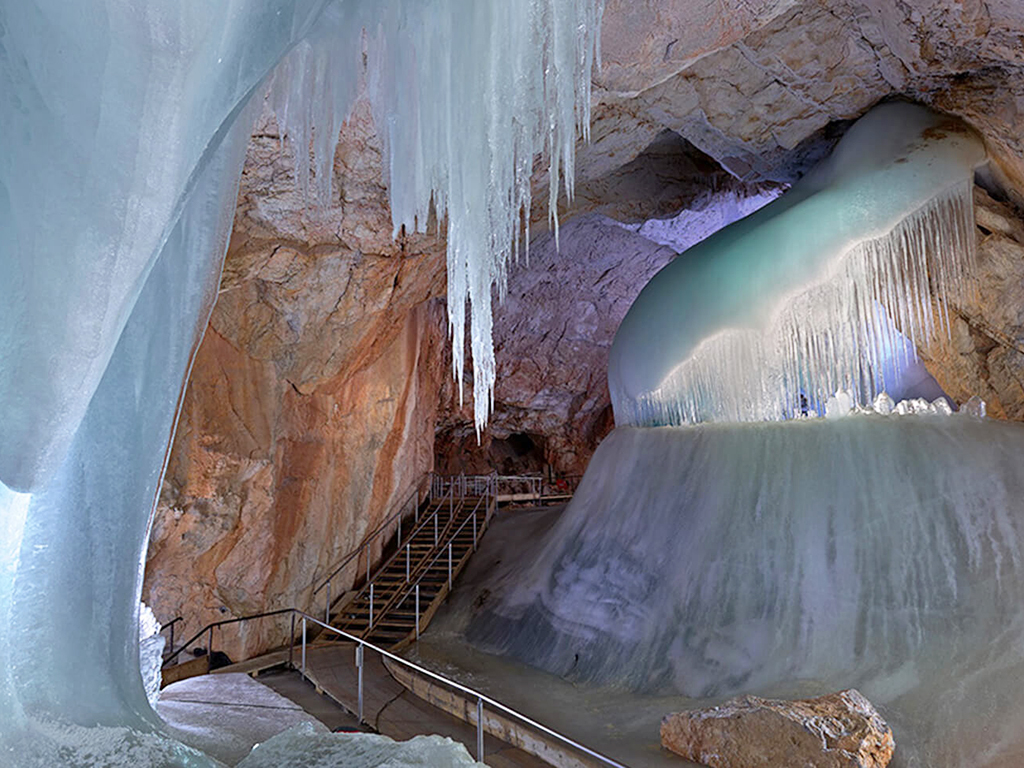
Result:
[[118, 179], [151, 652], [796, 299]]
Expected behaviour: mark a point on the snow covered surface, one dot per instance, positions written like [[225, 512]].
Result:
[[789, 301], [806, 556], [306, 746]]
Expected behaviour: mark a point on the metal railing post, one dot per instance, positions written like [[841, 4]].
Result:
[[303, 646], [399, 527], [359, 667], [479, 730], [408, 557], [474, 526], [417, 610], [435, 529], [209, 650], [369, 624], [366, 551], [449, 566], [291, 644], [327, 604], [172, 636]]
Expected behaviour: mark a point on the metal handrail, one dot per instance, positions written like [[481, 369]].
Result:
[[438, 483], [362, 644], [210, 627], [368, 540], [448, 544], [170, 625], [442, 536], [370, 578]]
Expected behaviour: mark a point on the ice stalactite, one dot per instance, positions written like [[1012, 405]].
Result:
[[810, 294], [118, 178], [466, 94]]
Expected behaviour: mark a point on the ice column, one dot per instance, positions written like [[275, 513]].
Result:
[[796, 298], [125, 126]]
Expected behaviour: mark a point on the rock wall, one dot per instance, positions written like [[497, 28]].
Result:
[[984, 353], [311, 406]]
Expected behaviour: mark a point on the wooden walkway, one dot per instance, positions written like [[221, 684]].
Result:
[[393, 710]]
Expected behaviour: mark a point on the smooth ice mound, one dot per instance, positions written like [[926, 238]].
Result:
[[809, 555], [306, 746], [814, 292]]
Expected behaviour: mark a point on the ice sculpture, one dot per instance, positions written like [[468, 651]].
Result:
[[790, 558], [793, 299], [125, 126]]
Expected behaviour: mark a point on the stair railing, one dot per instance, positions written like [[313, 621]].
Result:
[[414, 589], [447, 500], [304, 620], [170, 625], [325, 584]]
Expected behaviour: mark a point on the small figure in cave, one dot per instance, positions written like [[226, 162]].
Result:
[[803, 405]]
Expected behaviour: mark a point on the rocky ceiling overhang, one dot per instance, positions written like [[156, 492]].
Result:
[[756, 84]]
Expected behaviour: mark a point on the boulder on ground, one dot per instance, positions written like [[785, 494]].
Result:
[[839, 730]]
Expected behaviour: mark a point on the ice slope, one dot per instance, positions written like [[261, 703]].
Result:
[[793, 299], [796, 557]]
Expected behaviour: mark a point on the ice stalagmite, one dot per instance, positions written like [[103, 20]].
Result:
[[793, 299], [125, 126]]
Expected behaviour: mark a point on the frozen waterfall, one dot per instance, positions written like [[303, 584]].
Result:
[[793, 558], [118, 178], [810, 294]]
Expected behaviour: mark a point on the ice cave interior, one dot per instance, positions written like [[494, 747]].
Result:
[[756, 272]]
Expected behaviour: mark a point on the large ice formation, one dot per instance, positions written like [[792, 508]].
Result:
[[125, 126], [806, 556], [796, 299]]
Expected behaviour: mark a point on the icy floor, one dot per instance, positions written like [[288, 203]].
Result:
[[243, 723], [226, 715], [972, 731], [616, 723]]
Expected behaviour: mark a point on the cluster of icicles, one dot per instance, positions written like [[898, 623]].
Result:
[[455, 146], [839, 335]]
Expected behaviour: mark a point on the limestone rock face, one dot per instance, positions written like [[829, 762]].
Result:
[[552, 335], [755, 84], [839, 730], [984, 353], [311, 406]]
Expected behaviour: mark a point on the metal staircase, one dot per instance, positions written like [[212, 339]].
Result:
[[398, 600]]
